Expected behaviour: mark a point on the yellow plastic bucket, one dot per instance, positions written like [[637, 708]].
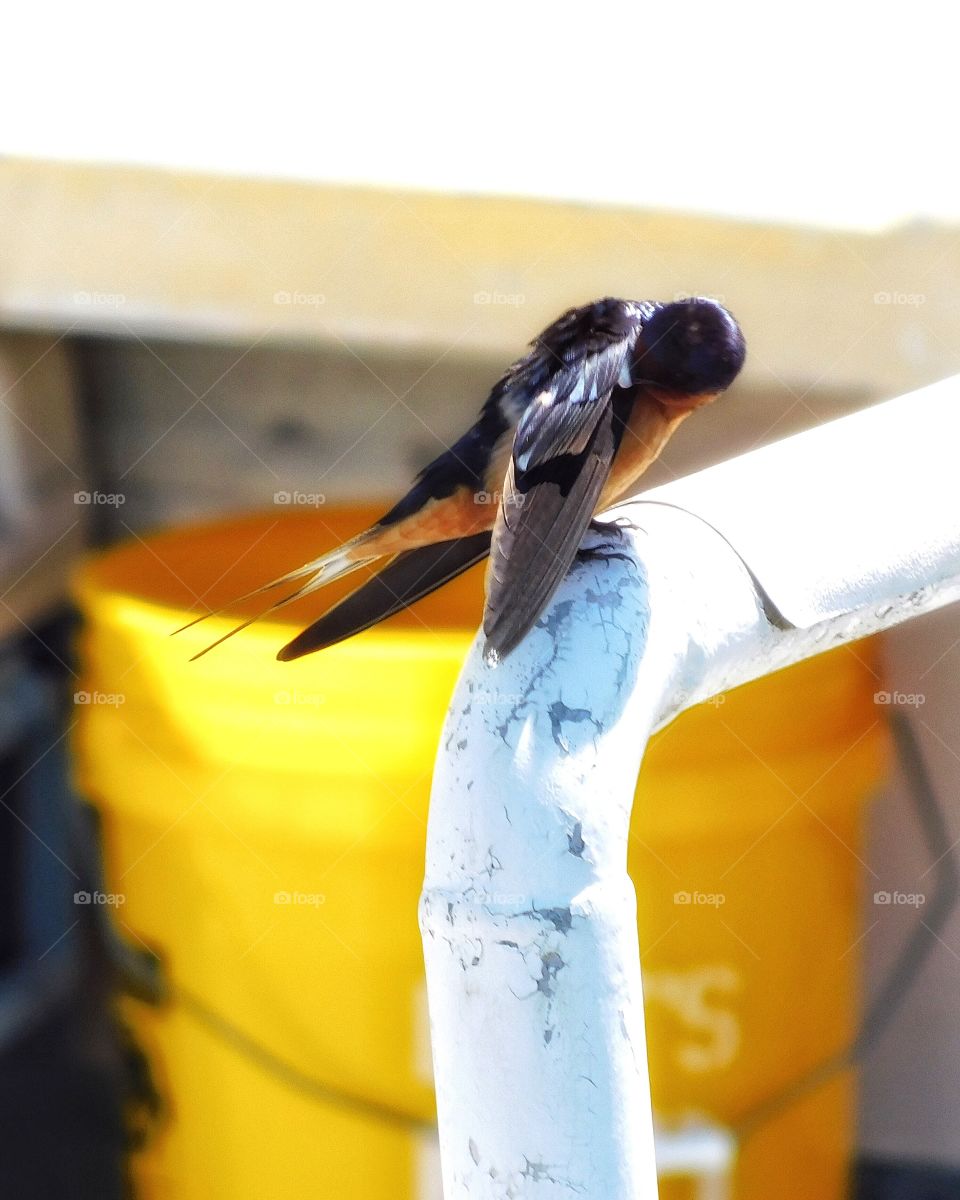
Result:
[[265, 824]]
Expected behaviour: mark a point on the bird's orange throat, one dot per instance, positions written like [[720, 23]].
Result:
[[648, 429], [682, 403]]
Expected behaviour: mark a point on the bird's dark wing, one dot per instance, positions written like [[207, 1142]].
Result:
[[562, 454], [405, 579], [538, 533]]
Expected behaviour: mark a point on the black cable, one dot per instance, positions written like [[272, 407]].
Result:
[[916, 950], [291, 1076], [881, 1011]]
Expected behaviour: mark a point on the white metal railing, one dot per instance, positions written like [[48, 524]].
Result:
[[528, 916]]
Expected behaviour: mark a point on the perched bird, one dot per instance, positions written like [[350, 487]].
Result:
[[563, 435]]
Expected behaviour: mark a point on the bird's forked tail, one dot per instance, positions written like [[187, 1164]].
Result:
[[323, 570]]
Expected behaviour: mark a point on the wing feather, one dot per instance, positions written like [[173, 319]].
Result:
[[538, 533], [563, 452], [405, 579]]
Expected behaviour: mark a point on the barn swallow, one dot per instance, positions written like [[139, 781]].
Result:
[[564, 434]]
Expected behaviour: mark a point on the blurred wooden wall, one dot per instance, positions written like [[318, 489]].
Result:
[[192, 345]]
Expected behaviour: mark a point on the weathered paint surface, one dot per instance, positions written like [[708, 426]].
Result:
[[528, 915]]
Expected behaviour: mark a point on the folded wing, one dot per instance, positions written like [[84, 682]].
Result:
[[562, 455]]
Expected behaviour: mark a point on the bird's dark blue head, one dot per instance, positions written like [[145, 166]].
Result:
[[688, 351]]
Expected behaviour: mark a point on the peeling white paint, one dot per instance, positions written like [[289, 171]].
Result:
[[528, 916]]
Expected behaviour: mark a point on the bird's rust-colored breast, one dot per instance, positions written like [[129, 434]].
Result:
[[648, 430]]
